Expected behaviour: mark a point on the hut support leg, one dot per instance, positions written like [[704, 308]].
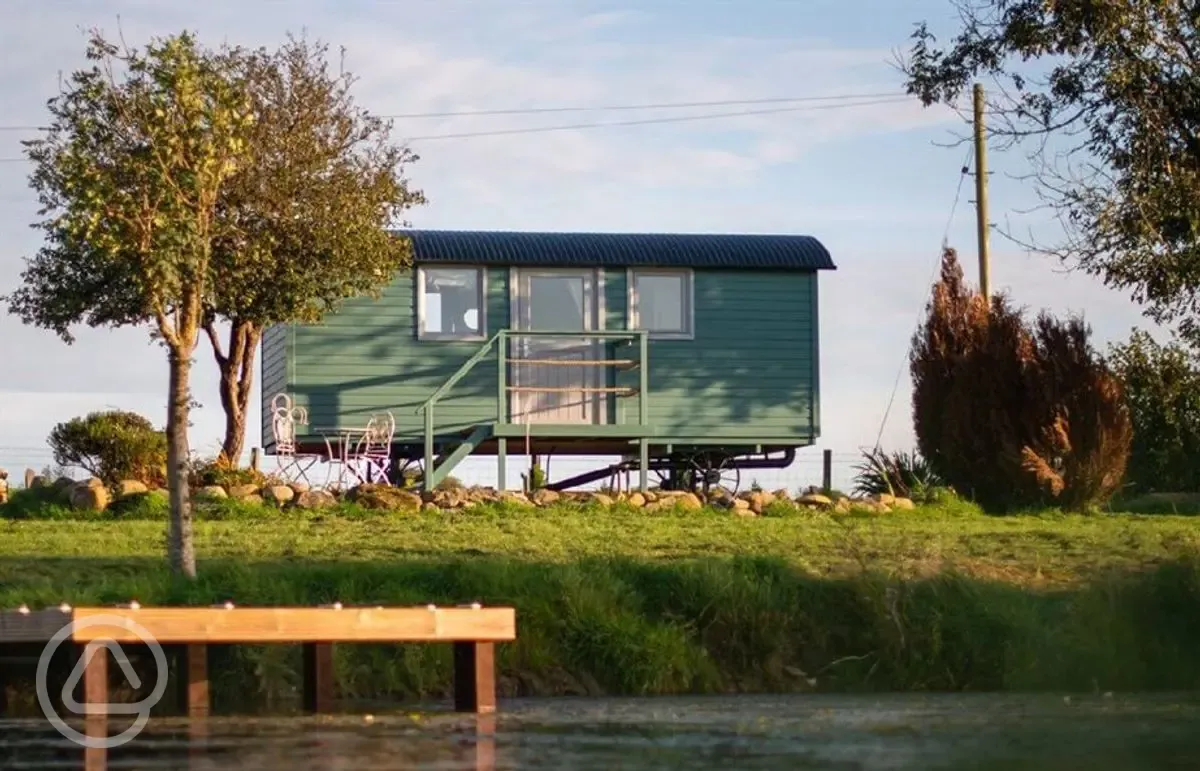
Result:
[[502, 464], [475, 677], [643, 465], [318, 677]]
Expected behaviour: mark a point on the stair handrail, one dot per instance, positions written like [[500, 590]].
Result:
[[460, 373]]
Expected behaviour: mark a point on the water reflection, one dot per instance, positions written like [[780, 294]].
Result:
[[819, 733]]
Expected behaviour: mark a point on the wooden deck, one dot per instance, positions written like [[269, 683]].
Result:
[[473, 631]]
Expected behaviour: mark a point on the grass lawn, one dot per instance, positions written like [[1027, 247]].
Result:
[[1045, 550], [627, 601]]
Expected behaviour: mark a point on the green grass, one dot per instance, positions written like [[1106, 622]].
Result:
[[631, 602]]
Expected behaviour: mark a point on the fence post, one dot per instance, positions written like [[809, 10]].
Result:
[[255, 457], [827, 470]]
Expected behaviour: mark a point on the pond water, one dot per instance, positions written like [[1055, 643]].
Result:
[[834, 733]]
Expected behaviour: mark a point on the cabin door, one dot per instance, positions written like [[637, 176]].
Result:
[[548, 388]]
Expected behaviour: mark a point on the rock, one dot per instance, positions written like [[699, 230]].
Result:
[[300, 487], [315, 499], [86, 497], [903, 503], [689, 501], [131, 487], [253, 499], [885, 498], [602, 499], [741, 506], [815, 499], [513, 498], [636, 500], [30, 475], [3, 473], [212, 493], [429, 507], [279, 493], [38, 481], [387, 498], [843, 506], [240, 492], [544, 497], [64, 485], [759, 500], [451, 498]]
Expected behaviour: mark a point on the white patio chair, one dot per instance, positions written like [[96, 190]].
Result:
[[371, 455], [284, 420]]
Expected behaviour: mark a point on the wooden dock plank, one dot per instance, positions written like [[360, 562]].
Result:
[[473, 631], [33, 625], [267, 625]]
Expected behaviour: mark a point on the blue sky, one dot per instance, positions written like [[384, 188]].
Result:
[[870, 182]]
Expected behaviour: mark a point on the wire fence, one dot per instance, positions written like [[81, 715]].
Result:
[[807, 470]]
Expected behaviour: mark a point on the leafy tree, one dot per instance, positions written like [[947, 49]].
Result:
[[112, 445], [1162, 389], [306, 225], [1112, 120], [129, 174], [1014, 414]]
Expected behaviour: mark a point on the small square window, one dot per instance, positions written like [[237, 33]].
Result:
[[660, 301], [450, 304]]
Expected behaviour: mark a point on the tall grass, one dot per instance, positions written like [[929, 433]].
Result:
[[615, 601], [623, 626]]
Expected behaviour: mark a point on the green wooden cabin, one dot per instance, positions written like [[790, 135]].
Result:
[[693, 346]]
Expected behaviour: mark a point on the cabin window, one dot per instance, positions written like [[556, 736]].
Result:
[[450, 303], [660, 301]]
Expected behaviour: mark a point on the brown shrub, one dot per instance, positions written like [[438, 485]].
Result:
[[1012, 414]]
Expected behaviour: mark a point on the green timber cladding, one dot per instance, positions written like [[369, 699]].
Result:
[[748, 374]]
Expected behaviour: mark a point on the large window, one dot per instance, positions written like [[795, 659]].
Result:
[[450, 303], [660, 301]]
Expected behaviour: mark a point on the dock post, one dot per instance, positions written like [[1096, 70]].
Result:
[[475, 677], [318, 677], [195, 688], [826, 471], [502, 464]]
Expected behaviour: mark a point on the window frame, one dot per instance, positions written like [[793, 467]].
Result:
[[482, 294], [633, 315]]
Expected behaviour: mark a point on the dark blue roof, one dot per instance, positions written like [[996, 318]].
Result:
[[782, 252]]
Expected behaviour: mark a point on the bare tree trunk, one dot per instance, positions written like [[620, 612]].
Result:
[[237, 379], [181, 553]]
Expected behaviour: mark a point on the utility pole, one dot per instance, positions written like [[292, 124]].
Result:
[[981, 209]]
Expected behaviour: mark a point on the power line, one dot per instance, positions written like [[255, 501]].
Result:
[[649, 121], [595, 108], [628, 107], [638, 122], [945, 242]]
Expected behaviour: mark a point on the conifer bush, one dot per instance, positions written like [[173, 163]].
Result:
[[1013, 414]]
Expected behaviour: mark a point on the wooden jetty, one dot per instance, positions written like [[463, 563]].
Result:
[[473, 631]]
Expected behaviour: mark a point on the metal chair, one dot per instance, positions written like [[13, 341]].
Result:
[[284, 419], [372, 453]]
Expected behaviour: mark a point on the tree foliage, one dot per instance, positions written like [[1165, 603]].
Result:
[[112, 445], [1014, 414], [1162, 390], [129, 175], [294, 229], [1112, 122], [306, 224]]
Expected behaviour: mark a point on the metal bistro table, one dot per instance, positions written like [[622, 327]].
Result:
[[344, 438]]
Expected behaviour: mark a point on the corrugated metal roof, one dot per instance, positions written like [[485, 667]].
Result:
[[620, 249]]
